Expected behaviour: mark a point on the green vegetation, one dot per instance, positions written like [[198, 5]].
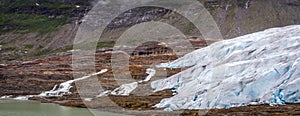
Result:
[[64, 49], [40, 16], [42, 52], [48, 39], [40, 47], [90, 45], [9, 49], [3, 43], [28, 46], [86, 46], [106, 44], [30, 23], [16, 53]]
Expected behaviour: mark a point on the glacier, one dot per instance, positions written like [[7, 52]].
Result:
[[258, 68], [126, 89], [58, 90], [64, 88]]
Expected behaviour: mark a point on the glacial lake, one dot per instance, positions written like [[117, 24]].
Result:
[[33, 108]]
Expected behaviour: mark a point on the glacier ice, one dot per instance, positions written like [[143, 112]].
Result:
[[58, 90], [64, 88], [126, 89], [5, 97], [258, 68], [151, 72]]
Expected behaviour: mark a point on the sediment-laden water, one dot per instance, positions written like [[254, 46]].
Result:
[[33, 108]]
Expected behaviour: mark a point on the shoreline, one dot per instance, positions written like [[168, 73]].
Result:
[[282, 110]]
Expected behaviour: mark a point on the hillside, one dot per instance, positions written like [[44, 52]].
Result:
[[39, 27], [37, 60]]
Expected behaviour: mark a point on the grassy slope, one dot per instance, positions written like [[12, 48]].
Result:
[[42, 18], [27, 16]]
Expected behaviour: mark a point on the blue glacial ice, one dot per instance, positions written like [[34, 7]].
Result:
[[258, 68]]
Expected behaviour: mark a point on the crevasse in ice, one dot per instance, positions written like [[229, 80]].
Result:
[[258, 68]]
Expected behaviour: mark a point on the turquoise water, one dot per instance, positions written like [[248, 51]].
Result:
[[32, 108]]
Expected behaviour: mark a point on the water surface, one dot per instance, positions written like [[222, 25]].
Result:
[[33, 108]]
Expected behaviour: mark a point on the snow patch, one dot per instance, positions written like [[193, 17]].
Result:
[[88, 99], [64, 88], [125, 89], [24, 97], [105, 93], [151, 72], [6, 97]]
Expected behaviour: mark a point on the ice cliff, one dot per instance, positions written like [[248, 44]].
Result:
[[258, 68]]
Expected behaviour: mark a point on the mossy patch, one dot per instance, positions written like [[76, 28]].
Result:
[[30, 23], [40, 16], [28, 46], [42, 52]]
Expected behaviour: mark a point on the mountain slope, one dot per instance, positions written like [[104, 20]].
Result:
[[35, 27], [259, 68]]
